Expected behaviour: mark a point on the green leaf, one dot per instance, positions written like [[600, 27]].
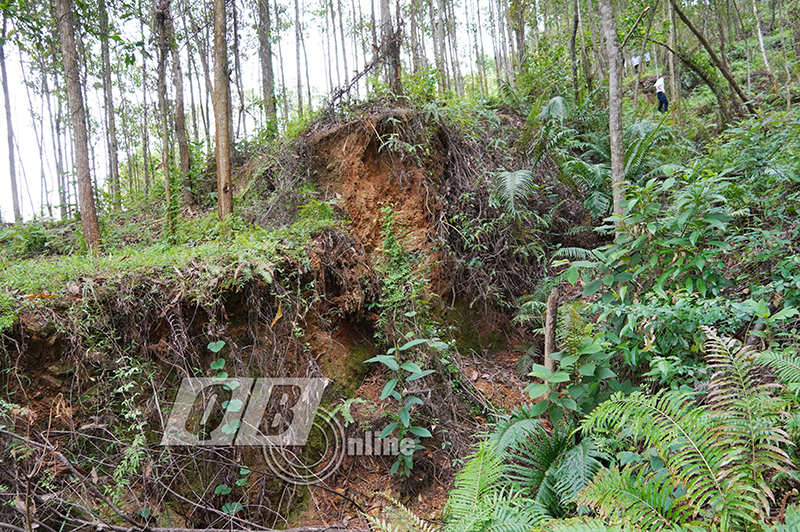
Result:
[[412, 343], [388, 389], [422, 432], [388, 429], [395, 467], [592, 287], [231, 508], [537, 390], [405, 417], [218, 364], [569, 360], [411, 400], [419, 375], [410, 366], [222, 489], [760, 308], [387, 360], [788, 312], [241, 482], [216, 347], [559, 376], [232, 427], [537, 370], [572, 275], [588, 369], [232, 385], [234, 405], [221, 375]]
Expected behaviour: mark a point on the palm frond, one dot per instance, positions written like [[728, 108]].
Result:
[[646, 501]]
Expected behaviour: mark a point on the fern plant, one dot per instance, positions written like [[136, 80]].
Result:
[[521, 475], [718, 456]]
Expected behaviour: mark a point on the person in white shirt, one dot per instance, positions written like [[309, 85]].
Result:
[[635, 62], [663, 103]]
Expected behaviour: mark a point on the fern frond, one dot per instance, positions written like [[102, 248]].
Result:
[[581, 524], [748, 412], [645, 501], [478, 478], [511, 431], [694, 446], [420, 525], [381, 525], [536, 456], [514, 189], [577, 469], [574, 254], [555, 109], [786, 366]]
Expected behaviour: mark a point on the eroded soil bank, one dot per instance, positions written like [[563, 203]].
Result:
[[91, 369]]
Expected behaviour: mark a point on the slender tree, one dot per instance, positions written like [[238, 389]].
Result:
[[222, 111], [609, 24], [265, 56], [108, 99], [12, 171], [69, 50]]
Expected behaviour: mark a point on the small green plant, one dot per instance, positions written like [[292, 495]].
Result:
[[405, 371]]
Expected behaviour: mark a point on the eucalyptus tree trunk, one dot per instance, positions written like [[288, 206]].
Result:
[[108, 95], [55, 131], [222, 111], [332, 13], [760, 33], [160, 14], [609, 24], [344, 47], [265, 57], [573, 55], [237, 68], [297, 36], [12, 169], [145, 125], [69, 51], [180, 120], [674, 72]]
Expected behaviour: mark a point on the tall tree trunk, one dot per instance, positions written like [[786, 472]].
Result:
[[284, 88], [241, 119], [145, 109], [190, 65], [598, 55], [725, 72], [344, 48], [297, 36], [265, 57], [222, 111], [573, 55], [12, 169], [674, 72], [108, 96], [180, 119], [55, 131], [609, 25], [66, 30], [160, 16], [760, 33]]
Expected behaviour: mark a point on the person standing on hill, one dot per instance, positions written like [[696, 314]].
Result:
[[663, 103]]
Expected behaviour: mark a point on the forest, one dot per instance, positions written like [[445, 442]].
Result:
[[411, 266]]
